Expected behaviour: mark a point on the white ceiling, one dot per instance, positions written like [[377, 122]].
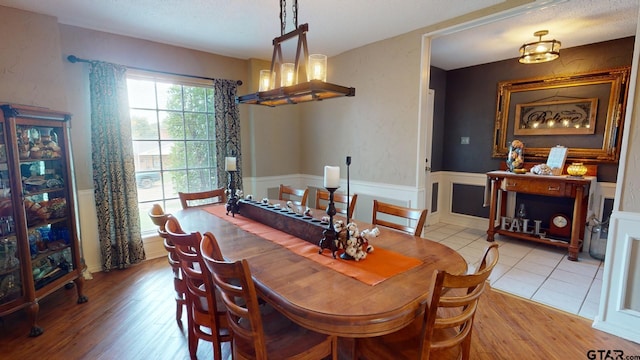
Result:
[[246, 28]]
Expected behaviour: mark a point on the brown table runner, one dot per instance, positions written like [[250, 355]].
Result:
[[377, 267]]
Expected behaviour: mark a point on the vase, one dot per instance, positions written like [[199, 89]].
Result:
[[515, 158], [577, 169]]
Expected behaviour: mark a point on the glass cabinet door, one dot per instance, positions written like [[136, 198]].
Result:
[[42, 170], [10, 273]]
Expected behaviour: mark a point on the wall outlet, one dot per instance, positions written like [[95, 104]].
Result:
[[464, 140]]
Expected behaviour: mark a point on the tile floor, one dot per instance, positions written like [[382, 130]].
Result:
[[538, 272]]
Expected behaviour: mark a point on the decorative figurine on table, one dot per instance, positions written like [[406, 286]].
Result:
[[515, 159], [354, 242]]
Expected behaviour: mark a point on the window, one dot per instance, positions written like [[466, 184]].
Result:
[[173, 130]]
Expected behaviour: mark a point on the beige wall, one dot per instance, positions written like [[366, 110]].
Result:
[[630, 191], [274, 139], [378, 127], [30, 65]]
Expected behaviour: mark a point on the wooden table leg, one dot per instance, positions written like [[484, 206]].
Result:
[[492, 210], [574, 244]]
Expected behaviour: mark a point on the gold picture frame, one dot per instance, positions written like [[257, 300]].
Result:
[[599, 96]]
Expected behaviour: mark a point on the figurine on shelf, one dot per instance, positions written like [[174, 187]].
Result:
[[11, 261]]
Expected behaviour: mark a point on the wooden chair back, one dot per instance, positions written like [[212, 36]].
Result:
[[202, 198], [206, 315], [401, 213], [297, 196], [339, 199], [172, 256], [159, 218], [444, 330], [448, 320], [250, 323]]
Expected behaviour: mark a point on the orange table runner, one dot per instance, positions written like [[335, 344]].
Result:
[[377, 267]]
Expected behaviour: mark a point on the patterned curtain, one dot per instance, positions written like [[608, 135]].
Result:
[[113, 168], [227, 129]]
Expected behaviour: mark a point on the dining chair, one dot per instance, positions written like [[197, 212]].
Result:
[[398, 213], [159, 218], [256, 333], [297, 196], [190, 199], [322, 200], [444, 329], [205, 311]]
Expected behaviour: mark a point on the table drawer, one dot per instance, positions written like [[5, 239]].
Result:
[[541, 187]]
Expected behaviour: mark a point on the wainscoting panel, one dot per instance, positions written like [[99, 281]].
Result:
[[619, 312], [447, 186], [443, 208], [367, 191]]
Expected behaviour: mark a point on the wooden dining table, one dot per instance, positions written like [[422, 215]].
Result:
[[317, 296]]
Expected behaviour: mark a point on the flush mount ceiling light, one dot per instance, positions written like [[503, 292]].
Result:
[[312, 72], [539, 51]]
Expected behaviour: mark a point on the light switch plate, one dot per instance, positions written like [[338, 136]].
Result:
[[464, 140]]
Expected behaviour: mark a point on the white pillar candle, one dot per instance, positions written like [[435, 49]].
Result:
[[230, 163], [331, 177]]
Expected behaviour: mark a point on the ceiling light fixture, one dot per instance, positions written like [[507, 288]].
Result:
[[287, 75], [539, 51]]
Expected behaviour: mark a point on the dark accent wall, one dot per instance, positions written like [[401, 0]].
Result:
[[470, 102], [468, 199]]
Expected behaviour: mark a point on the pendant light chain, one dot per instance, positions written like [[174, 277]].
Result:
[[295, 13], [283, 15]]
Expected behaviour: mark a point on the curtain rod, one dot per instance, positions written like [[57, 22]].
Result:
[[74, 59]]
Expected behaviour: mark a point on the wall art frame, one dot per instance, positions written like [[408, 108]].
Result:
[[596, 100], [556, 117]]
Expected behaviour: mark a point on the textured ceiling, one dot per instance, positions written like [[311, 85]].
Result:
[[246, 28]]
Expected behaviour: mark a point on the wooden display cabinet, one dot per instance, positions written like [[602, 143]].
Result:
[[39, 247], [576, 188]]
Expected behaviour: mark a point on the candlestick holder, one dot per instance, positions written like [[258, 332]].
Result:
[[328, 240], [344, 255], [233, 206]]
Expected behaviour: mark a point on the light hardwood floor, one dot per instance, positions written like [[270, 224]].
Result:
[[131, 315]]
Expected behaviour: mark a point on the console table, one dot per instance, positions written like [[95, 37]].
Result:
[[577, 188]]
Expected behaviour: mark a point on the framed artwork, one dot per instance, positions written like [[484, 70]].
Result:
[[583, 112], [558, 117]]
